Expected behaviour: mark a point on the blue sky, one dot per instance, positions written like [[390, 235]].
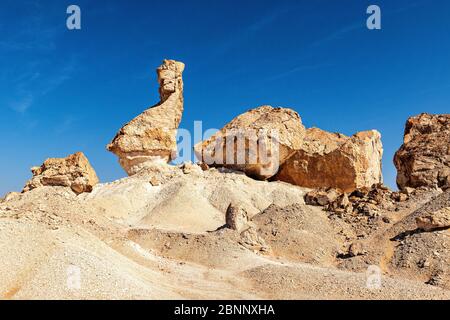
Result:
[[64, 91]]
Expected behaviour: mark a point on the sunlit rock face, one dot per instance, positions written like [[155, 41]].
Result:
[[335, 160], [256, 142], [151, 137], [424, 158], [75, 172]]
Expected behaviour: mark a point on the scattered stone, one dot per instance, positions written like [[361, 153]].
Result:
[[356, 249], [321, 197], [363, 201], [399, 196], [409, 191], [437, 279], [423, 263], [154, 181], [436, 220], [189, 167], [342, 204], [256, 142], [75, 172], [151, 136], [203, 166], [367, 209], [335, 160], [424, 157]]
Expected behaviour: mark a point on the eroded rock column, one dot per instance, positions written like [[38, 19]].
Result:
[[151, 137]]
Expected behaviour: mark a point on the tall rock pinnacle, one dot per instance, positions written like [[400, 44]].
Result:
[[151, 136]]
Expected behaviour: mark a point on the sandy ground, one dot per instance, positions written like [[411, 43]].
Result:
[[133, 240]]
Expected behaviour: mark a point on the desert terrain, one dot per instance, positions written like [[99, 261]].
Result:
[[319, 224]]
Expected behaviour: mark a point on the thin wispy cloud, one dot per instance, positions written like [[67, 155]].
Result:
[[65, 125], [298, 69], [250, 30], [41, 71], [338, 34], [33, 85], [22, 104], [359, 25]]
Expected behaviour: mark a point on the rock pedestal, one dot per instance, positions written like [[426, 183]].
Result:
[[151, 137]]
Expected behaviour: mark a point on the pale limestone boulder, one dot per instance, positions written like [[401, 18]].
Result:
[[256, 142], [424, 158], [331, 160], [236, 218], [151, 137], [75, 172]]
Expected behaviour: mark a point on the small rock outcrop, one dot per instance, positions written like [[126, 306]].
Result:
[[439, 219], [236, 218], [424, 158], [151, 136], [335, 160], [75, 172], [256, 142]]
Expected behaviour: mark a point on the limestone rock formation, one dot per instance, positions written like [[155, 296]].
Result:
[[236, 218], [75, 172], [256, 142], [151, 136], [436, 220], [334, 160], [424, 157]]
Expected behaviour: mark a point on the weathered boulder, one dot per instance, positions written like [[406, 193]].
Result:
[[334, 160], [75, 172], [236, 218], [424, 158], [256, 142], [436, 220], [151, 136]]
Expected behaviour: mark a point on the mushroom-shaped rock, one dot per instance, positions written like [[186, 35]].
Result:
[[151, 137]]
